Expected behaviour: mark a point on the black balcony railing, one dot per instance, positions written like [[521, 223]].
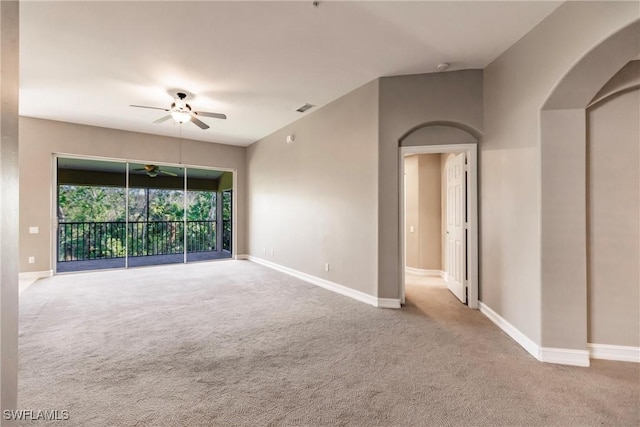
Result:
[[80, 241]]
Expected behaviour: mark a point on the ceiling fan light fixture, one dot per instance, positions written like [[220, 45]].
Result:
[[181, 116], [179, 104], [181, 112]]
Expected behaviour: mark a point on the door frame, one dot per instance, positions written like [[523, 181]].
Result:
[[471, 151], [126, 161]]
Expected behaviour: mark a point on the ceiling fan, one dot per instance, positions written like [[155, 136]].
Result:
[[181, 112], [154, 170]]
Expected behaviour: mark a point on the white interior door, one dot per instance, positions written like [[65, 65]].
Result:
[[455, 242]]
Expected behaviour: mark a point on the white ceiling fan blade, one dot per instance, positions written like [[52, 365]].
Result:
[[214, 115], [167, 173], [199, 123], [163, 119], [152, 108]]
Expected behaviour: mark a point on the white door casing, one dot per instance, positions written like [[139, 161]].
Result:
[[471, 203], [455, 242], [403, 298]]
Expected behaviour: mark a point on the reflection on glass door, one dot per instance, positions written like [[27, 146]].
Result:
[[156, 215], [227, 215], [90, 214], [204, 214]]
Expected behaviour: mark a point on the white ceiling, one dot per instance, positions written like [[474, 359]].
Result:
[[85, 62]]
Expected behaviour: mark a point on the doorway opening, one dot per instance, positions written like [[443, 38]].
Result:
[[438, 215], [118, 214]]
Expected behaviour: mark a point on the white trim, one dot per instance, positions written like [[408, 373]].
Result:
[[35, 275], [422, 272], [564, 356], [526, 342], [53, 220], [242, 257], [126, 217], [184, 207], [472, 212], [388, 303], [331, 286], [620, 353], [234, 211]]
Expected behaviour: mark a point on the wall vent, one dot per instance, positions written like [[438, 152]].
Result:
[[305, 107]]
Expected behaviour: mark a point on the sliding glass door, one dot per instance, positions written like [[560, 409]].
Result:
[[91, 199], [119, 214], [202, 202], [156, 215]]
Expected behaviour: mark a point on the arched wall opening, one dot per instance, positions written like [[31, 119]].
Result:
[[563, 197], [439, 133], [445, 137], [613, 218]]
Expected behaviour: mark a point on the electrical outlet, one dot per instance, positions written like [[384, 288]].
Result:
[[34, 230], [411, 229], [32, 260], [326, 267]]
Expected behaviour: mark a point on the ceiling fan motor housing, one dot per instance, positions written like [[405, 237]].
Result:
[[180, 105]]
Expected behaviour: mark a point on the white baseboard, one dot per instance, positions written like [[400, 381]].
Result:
[[35, 275], [422, 272], [242, 256], [620, 353], [388, 303], [564, 356], [331, 286], [526, 342]]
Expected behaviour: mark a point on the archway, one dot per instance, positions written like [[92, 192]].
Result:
[[563, 194], [441, 137]]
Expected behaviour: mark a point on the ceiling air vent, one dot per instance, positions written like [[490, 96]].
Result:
[[305, 107]]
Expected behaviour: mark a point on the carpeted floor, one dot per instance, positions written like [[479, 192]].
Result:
[[235, 343]]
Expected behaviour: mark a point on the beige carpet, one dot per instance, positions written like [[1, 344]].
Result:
[[234, 343]]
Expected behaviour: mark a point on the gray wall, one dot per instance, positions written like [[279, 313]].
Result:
[[516, 86], [423, 212], [334, 192], [430, 216], [9, 130], [40, 139], [614, 221], [406, 102], [315, 201]]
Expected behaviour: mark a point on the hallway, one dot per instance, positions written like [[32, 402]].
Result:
[[429, 295]]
